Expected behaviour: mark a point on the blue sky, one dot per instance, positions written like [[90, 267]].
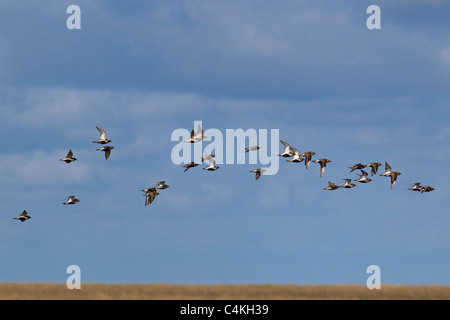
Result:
[[140, 70]]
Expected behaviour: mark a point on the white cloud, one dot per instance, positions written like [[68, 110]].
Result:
[[39, 107], [41, 168]]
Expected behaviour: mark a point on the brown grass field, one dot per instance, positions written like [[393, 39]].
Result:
[[92, 291]]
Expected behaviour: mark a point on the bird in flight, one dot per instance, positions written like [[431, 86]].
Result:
[[296, 157], [258, 172], [287, 150], [212, 165], [161, 185], [308, 156], [71, 200], [323, 164], [348, 184], [23, 216], [374, 166], [357, 166], [415, 186], [387, 170], [102, 139], [189, 165], [394, 175], [196, 136], [107, 150], [206, 157], [69, 158], [252, 148], [331, 186], [150, 195], [363, 177], [426, 189]]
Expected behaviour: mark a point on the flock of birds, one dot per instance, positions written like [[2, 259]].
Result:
[[149, 193], [306, 157], [288, 152], [69, 158]]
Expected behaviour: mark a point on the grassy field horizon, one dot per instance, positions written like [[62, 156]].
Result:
[[98, 291]]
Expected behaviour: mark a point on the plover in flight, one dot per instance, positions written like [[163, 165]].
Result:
[[426, 189], [323, 164], [308, 156], [196, 136], [258, 172], [331, 186], [69, 158], [252, 148], [374, 166], [102, 139], [107, 150], [189, 165], [296, 157], [363, 177], [161, 185], [212, 165], [150, 195], [287, 150], [387, 170], [415, 186], [357, 166], [207, 157], [348, 184], [394, 175], [71, 200], [23, 216]]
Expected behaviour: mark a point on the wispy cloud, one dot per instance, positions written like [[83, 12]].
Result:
[[247, 49], [40, 167]]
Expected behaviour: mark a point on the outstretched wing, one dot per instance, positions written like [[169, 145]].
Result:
[[356, 166], [199, 130], [374, 168], [147, 199], [295, 150], [387, 166], [102, 133], [322, 169], [286, 145], [393, 180], [308, 158]]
